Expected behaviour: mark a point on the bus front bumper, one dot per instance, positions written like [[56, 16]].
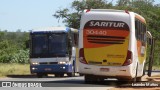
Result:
[[51, 69]]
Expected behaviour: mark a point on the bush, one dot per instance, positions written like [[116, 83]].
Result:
[[21, 57], [13, 48]]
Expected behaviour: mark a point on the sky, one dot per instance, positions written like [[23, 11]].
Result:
[[29, 14]]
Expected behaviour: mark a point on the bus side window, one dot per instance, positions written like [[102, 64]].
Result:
[[145, 29], [142, 33], [76, 39], [136, 28], [139, 33]]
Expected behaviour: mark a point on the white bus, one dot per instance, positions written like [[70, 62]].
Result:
[[112, 44], [53, 51]]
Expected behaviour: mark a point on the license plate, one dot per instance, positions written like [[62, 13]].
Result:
[[47, 69], [104, 69]]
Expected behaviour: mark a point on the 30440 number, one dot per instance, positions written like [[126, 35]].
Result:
[[96, 32]]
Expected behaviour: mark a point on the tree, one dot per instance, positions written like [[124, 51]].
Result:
[[123, 2], [72, 19]]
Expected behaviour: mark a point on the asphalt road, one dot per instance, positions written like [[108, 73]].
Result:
[[53, 83], [60, 83]]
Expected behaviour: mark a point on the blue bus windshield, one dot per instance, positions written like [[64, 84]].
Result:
[[57, 44], [49, 45]]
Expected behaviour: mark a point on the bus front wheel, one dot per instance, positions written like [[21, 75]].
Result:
[[39, 75], [72, 74], [59, 75]]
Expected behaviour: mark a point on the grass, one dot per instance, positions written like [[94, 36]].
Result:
[[155, 68], [14, 69]]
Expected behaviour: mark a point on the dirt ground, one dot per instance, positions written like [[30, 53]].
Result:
[[155, 80], [154, 88]]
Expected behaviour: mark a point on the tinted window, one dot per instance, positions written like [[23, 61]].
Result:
[[49, 45], [140, 30], [57, 44], [39, 43]]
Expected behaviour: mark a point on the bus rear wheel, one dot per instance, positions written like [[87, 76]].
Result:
[[93, 79], [87, 79], [136, 79], [80, 74]]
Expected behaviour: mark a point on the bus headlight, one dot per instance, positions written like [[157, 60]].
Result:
[[35, 63], [34, 68], [62, 62]]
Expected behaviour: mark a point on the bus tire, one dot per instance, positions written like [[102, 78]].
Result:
[[39, 75], [56, 75], [135, 78], [59, 75], [80, 74], [72, 74], [87, 79], [90, 79], [144, 70]]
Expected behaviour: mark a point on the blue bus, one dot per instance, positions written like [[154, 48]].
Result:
[[53, 51]]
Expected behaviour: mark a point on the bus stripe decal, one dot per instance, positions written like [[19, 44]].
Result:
[[106, 37], [106, 42]]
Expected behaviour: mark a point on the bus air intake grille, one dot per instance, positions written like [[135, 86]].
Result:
[[106, 39]]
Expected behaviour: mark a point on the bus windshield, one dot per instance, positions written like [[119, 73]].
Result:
[[57, 44], [49, 45]]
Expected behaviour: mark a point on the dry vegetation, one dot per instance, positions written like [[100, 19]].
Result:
[[14, 69]]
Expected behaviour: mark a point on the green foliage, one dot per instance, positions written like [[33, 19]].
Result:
[[72, 19], [21, 57], [146, 8], [13, 47]]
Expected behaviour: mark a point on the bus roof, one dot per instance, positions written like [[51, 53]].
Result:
[[106, 10], [140, 18], [114, 10], [53, 29], [50, 29]]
